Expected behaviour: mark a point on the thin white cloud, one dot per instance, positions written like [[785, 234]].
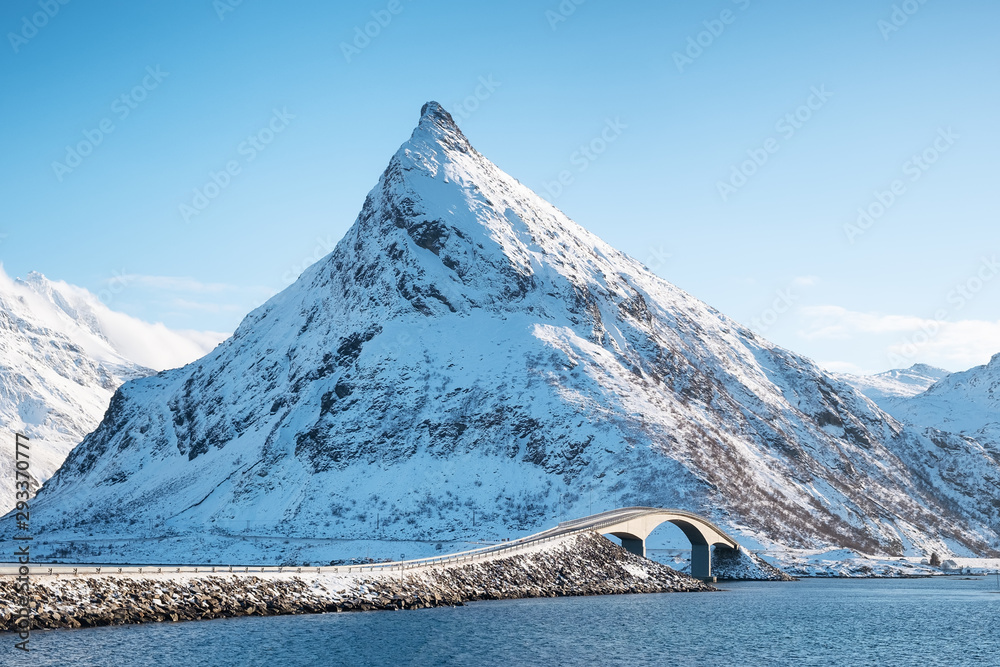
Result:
[[961, 344], [106, 334], [153, 344], [839, 323], [905, 339], [205, 306], [188, 297], [174, 283]]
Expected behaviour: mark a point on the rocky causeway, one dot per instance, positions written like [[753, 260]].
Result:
[[584, 564]]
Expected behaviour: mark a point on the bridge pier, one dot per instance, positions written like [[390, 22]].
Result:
[[632, 525], [701, 561], [634, 546]]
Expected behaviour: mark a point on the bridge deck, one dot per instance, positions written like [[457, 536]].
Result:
[[604, 522]]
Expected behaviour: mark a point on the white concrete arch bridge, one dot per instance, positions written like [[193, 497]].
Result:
[[632, 525]]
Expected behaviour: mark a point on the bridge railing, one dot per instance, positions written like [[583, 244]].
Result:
[[595, 522], [395, 566]]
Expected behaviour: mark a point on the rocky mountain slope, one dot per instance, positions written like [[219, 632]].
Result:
[[470, 362], [943, 405]]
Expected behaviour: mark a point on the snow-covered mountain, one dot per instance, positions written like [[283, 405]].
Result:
[[63, 353], [468, 355], [899, 383], [967, 403]]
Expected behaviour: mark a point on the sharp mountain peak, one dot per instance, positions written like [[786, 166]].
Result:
[[467, 345]]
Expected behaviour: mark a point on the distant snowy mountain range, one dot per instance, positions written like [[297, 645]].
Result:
[[967, 403], [63, 354], [469, 361], [895, 384]]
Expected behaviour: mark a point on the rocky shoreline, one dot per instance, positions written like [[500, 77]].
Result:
[[578, 565], [741, 565]]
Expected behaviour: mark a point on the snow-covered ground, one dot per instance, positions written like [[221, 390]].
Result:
[[847, 563], [972, 565]]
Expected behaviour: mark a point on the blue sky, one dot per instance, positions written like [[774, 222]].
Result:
[[829, 103]]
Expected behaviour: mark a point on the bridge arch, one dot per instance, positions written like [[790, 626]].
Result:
[[632, 525]]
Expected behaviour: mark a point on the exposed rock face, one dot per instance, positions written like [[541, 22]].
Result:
[[741, 565], [469, 351], [578, 565]]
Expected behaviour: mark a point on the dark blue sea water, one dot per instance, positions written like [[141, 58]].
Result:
[[942, 621]]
